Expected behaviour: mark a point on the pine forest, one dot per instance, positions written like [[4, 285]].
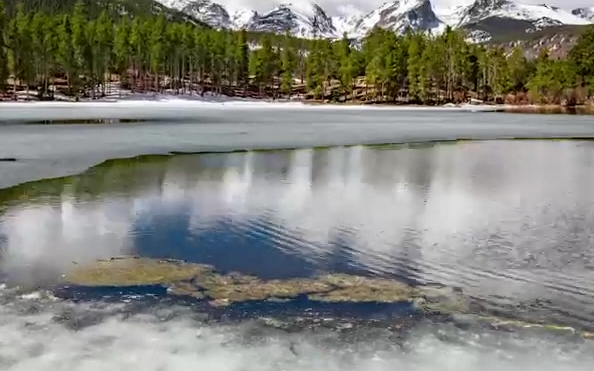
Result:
[[90, 49]]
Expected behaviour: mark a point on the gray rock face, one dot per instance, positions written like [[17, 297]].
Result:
[[210, 13], [285, 18], [482, 9], [585, 13], [402, 15], [309, 20]]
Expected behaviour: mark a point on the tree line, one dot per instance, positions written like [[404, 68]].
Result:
[[85, 50]]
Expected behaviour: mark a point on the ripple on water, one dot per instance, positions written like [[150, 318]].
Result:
[[509, 222]]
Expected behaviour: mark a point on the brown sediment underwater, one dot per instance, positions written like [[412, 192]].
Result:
[[202, 281]]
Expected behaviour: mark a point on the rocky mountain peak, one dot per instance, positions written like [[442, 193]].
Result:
[[209, 12], [309, 20], [585, 13], [306, 20]]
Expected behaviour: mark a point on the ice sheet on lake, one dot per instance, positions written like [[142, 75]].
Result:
[[144, 107], [93, 336]]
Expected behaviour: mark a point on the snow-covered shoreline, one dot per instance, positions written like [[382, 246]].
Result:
[[168, 106]]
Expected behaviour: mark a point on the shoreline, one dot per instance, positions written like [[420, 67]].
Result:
[[39, 152], [189, 107], [175, 109]]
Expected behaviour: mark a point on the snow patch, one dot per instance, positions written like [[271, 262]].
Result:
[[307, 19], [478, 36], [57, 337]]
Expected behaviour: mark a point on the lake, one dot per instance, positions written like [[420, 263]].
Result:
[[507, 222], [443, 255]]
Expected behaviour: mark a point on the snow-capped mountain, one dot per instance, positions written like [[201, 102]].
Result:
[[307, 19], [346, 24], [211, 13], [512, 9], [585, 13], [242, 18], [400, 15], [303, 21]]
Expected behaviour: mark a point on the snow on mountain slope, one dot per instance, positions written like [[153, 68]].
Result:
[[451, 12], [399, 15], [242, 19], [175, 4], [585, 13], [511, 9], [347, 24], [303, 18], [210, 13]]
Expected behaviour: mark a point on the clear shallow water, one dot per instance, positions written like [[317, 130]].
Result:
[[509, 222]]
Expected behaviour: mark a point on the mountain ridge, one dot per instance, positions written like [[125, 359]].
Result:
[[309, 20]]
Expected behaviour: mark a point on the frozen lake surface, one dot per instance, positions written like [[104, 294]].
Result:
[[45, 151], [508, 223]]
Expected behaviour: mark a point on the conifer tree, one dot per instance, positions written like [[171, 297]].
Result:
[[242, 59], [3, 54], [122, 51], [287, 66], [78, 46], [156, 44], [582, 57]]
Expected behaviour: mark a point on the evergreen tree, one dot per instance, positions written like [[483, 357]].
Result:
[[79, 46], [156, 44], [582, 56], [551, 79], [518, 70], [123, 51], [242, 59], [415, 58], [287, 66], [3, 54]]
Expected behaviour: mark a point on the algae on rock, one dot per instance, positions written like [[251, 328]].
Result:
[[134, 271], [203, 282]]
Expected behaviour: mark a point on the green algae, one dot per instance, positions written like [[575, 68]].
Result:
[[262, 290], [133, 271], [185, 289], [203, 282], [512, 324], [361, 289], [441, 299]]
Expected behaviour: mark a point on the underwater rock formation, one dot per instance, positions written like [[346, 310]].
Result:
[[203, 282], [133, 271]]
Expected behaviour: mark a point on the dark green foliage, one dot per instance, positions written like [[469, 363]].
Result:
[[3, 54], [84, 47], [582, 57]]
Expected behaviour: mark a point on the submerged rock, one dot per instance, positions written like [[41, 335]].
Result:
[[361, 289], [441, 299], [203, 282], [185, 289], [512, 324], [263, 290], [134, 271]]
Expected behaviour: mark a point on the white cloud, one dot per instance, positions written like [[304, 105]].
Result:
[[341, 7]]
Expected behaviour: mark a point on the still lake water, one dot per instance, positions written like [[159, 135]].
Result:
[[508, 222]]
